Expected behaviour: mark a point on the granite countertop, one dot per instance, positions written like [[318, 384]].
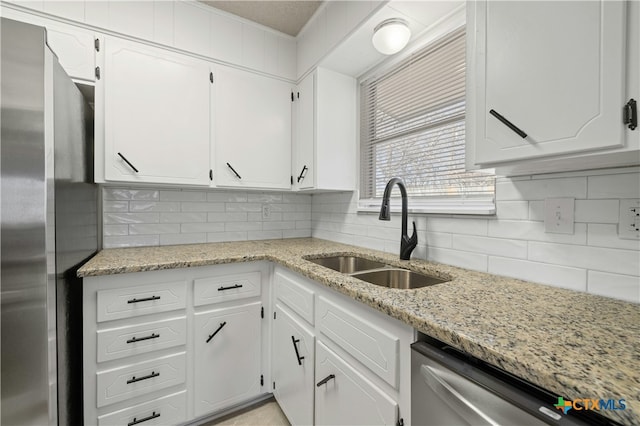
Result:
[[574, 344]]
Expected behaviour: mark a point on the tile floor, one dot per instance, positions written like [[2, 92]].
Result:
[[266, 413]]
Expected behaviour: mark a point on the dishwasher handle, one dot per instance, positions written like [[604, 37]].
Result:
[[462, 405]]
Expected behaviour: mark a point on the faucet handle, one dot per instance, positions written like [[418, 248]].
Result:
[[414, 236]]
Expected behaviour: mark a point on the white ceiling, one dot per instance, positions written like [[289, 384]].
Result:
[[285, 16]]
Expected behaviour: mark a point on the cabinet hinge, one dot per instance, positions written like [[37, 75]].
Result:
[[261, 380], [630, 114], [211, 77], [97, 73], [96, 44], [211, 175], [262, 312]]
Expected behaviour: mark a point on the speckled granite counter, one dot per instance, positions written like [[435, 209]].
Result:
[[575, 344]]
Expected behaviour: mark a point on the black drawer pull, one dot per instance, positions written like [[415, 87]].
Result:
[[146, 299], [138, 379], [326, 379], [234, 171], [127, 161], [140, 339], [300, 358], [230, 287], [508, 124], [222, 324], [302, 173], [135, 421]]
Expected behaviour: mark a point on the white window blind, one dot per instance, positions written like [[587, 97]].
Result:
[[413, 127]]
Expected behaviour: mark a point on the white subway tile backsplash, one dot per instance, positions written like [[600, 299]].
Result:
[[557, 276], [606, 235], [264, 235], [264, 198], [192, 238], [131, 241], [232, 197], [512, 210], [437, 239], [491, 246], [202, 227], [597, 211], [623, 185], [130, 194], [536, 211], [202, 207], [587, 257], [243, 207], [115, 206], [119, 218], [625, 287], [297, 233], [113, 230], [278, 226], [243, 226], [183, 196], [462, 259], [540, 189], [218, 237], [534, 231], [183, 217], [150, 229], [227, 217], [457, 225], [153, 206]]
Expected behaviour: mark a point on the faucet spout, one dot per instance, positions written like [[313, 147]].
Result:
[[407, 244]]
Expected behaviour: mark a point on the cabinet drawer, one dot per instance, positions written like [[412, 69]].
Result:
[[371, 345], [348, 398], [295, 296], [143, 300], [226, 287], [115, 343], [168, 410], [127, 382]]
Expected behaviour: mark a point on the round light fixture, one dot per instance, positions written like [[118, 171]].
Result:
[[391, 36]]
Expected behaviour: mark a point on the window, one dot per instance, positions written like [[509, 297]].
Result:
[[413, 127]]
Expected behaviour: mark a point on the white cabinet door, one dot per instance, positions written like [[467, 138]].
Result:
[[345, 397], [304, 169], [74, 47], [227, 357], [252, 130], [552, 69], [326, 132], [293, 366], [156, 115]]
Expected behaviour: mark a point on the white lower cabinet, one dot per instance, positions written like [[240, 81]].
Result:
[[173, 346], [293, 366], [362, 371], [228, 356], [344, 396]]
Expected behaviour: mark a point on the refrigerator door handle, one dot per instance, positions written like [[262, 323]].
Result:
[[462, 405]]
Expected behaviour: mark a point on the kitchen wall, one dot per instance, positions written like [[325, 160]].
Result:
[[514, 243], [150, 217]]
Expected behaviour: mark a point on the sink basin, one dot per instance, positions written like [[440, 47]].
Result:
[[347, 264], [398, 278]]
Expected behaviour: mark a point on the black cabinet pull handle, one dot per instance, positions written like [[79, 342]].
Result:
[[302, 173], [140, 339], [230, 288], [234, 171], [135, 421], [508, 124], [222, 324], [300, 358], [146, 299], [138, 379], [326, 379], [127, 161]]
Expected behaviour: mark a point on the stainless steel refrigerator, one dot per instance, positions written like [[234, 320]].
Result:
[[48, 229]]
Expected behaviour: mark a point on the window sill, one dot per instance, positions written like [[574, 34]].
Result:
[[468, 207]]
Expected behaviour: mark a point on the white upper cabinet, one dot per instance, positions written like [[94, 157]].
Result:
[[325, 136], [73, 46], [156, 110], [549, 78], [252, 130]]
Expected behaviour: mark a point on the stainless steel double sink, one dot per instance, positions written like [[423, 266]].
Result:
[[377, 273]]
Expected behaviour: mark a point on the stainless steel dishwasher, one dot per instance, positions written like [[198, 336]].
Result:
[[449, 387]]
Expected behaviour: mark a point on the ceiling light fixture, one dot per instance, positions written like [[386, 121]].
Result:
[[391, 36]]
